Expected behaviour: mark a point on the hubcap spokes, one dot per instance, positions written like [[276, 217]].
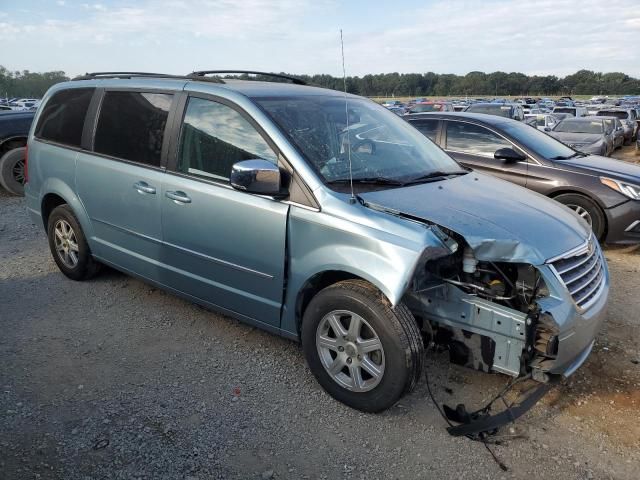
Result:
[[66, 243], [18, 172], [350, 350], [582, 212]]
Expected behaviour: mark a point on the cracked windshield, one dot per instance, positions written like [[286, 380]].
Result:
[[384, 149]]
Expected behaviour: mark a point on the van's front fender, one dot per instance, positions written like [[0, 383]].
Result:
[[319, 243]]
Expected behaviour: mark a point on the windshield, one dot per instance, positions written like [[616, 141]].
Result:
[[383, 146], [579, 126], [539, 119], [495, 109], [430, 107], [537, 141], [614, 113], [569, 110]]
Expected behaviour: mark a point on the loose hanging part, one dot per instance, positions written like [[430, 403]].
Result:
[[346, 112]]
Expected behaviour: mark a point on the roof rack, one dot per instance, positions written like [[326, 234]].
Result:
[[202, 73], [94, 75]]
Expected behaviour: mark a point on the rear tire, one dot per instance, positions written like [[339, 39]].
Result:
[[371, 365], [69, 246], [587, 209], [12, 166]]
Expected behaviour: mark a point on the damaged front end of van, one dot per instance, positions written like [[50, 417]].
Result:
[[518, 297]]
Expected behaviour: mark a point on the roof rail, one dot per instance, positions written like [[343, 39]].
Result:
[[202, 73], [94, 75]]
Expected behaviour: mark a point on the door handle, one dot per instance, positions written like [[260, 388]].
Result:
[[144, 187], [178, 197]]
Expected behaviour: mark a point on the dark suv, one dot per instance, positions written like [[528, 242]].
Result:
[[605, 192], [14, 129]]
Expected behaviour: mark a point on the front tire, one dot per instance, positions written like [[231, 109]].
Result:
[[365, 353], [587, 209], [69, 246]]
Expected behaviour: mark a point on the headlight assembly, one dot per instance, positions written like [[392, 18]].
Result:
[[627, 189]]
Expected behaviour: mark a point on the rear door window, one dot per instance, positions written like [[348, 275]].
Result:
[[473, 139], [215, 136], [131, 126], [62, 118], [429, 128]]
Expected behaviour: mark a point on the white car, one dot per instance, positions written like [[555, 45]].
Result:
[[24, 104], [543, 120]]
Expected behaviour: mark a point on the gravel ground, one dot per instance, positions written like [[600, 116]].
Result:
[[115, 379]]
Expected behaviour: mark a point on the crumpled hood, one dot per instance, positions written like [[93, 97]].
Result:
[[606, 166], [569, 137], [499, 220]]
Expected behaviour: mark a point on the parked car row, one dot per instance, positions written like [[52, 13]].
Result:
[[19, 104], [597, 129]]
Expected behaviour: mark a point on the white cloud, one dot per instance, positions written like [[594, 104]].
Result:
[[545, 36]]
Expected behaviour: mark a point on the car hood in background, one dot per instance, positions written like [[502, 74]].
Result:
[[569, 137], [500, 221], [610, 167]]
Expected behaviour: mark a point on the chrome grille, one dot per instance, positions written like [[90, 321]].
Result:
[[582, 272]]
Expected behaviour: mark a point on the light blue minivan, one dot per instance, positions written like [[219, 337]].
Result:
[[318, 216]]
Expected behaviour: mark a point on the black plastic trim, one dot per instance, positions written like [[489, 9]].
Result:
[[202, 73]]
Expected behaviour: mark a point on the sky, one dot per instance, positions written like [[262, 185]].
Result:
[[545, 37]]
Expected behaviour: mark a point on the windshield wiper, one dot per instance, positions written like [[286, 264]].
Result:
[[565, 157], [370, 180], [433, 176]]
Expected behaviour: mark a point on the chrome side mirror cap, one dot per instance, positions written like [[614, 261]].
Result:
[[256, 176]]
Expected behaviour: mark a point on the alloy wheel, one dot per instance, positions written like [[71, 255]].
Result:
[[18, 172], [582, 212], [66, 243], [350, 350]]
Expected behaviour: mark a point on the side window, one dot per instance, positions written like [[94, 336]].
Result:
[[429, 128], [131, 126], [214, 137], [62, 118], [473, 139]]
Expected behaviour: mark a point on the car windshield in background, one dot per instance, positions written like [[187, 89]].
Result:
[[564, 110], [497, 109], [614, 113], [539, 142], [432, 107], [579, 126], [385, 150]]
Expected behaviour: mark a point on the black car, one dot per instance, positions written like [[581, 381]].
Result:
[[605, 192], [14, 129]]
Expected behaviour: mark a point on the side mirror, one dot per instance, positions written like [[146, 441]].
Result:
[[509, 155], [256, 176]]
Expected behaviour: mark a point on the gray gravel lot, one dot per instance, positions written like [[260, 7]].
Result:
[[112, 378]]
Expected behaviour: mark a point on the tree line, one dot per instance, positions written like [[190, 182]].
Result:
[[495, 84]]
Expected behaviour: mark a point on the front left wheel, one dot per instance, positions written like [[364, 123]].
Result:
[[364, 352]]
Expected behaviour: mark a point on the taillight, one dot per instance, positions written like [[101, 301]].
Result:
[[26, 170]]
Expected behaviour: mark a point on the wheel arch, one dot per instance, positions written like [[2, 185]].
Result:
[[55, 193], [12, 142], [321, 280], [582, 193]]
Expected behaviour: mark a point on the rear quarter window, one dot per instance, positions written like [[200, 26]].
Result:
[[62, 118]]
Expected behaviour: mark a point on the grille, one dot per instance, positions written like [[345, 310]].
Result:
[[582, 273]]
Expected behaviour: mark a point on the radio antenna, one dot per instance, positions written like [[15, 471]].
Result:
[[346, 112]]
